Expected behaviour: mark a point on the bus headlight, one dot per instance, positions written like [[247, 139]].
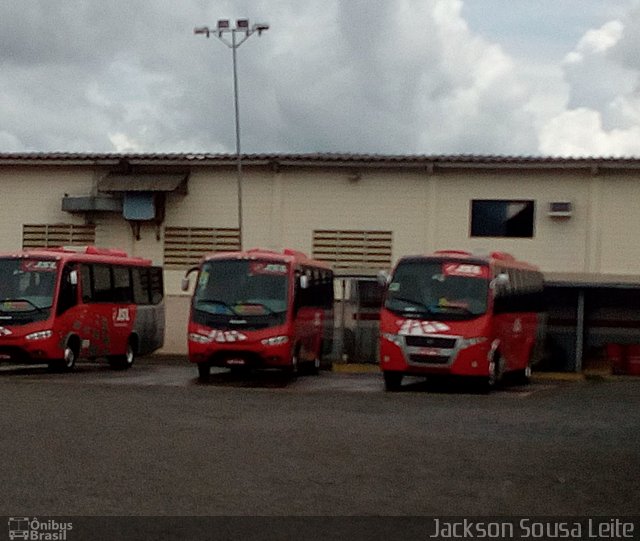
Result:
[[393, 338], [468, 342], [275, 341], [40, 335], [199, 338]]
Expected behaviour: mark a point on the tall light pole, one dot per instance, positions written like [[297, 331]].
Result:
[[245, 31]]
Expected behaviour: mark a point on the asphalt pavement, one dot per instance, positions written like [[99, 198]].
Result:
[[155, 441]]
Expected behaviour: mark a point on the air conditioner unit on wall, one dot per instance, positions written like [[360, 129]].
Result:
[[560, 209]]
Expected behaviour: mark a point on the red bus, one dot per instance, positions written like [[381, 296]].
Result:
[[260, 309], [453, 313], [61, 304]]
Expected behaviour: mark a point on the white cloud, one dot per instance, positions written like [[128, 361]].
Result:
[[597, 41], [580, 132], [602, 113], [386, 76], [122, 143]]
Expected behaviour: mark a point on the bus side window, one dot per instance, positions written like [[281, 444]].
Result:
[[156, 285], [102, 284], [141, 292], [85, 284], [122, 288], [68, 296]]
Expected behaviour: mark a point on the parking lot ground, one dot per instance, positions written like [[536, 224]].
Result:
[[154, 440], [178, 372]]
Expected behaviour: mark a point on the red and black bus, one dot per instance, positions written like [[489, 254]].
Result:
[[454, 313], [260, 309], [58, 305]]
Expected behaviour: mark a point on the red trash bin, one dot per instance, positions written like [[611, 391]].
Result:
[[633, 360], [616, 355]]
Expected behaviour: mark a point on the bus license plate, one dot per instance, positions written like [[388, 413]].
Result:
[[235, 362]]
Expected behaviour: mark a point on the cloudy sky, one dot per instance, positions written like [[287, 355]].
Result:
[[507, 77]]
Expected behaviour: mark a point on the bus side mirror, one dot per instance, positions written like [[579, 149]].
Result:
[[184, 285], [73, 277], [502, 280], [304, 281], [383, 278]]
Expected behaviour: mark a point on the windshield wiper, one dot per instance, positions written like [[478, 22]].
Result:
[[218, 302], [20, 300]]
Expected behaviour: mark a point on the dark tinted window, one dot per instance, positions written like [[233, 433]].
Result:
[[502, 218], [122, 290], [102, 283]]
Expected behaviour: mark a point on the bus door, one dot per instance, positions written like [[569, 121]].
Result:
[[70, 314], [308, 318]]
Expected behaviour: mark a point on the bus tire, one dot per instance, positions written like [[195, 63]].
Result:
[[204, 371], [293, 369], [489, 383], [392, 380], [314, 367], [123, 362], [523, 377], [69, 357]]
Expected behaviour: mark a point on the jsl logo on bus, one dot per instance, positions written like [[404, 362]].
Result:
[[121, 316], [38, 530]]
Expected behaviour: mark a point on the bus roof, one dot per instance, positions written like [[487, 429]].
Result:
[[495, 258], [287, 255], [79, 253]]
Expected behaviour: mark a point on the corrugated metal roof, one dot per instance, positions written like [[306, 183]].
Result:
[[319, 159]]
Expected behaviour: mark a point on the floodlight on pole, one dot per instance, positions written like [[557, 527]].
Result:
[[223, 27]]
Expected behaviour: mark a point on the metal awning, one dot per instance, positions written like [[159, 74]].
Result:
[[91, 203], [591, 280], [146, 182]]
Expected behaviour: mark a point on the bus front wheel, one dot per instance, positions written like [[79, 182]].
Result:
[[292, 369], [392, 380], [496, 368], [204, 370], [68, 361]]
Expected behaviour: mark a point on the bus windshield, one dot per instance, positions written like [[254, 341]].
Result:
[[27, 285], [439, 289], [242, 288]]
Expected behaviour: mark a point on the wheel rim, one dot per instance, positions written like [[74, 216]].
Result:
[[69, 357], [492, 373], [129, 356], [316, 363]]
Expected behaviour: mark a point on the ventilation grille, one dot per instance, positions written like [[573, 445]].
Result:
[[184, 246], [51, 235], [355, 251]]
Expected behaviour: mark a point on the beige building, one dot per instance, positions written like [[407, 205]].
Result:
[[575, 218]]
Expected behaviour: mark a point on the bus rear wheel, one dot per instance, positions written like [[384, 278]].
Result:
[[314, 367], [392, 380], [123, 362], [523, 377]]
